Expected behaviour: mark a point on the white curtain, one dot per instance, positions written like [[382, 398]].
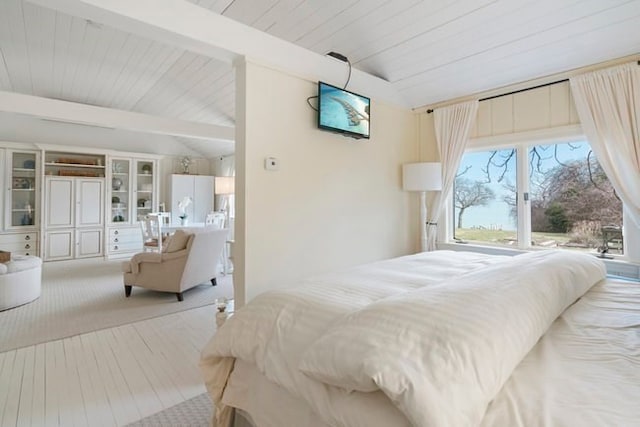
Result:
[[453, 124], [608, 104]]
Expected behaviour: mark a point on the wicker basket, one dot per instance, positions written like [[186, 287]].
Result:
[[5, 256]]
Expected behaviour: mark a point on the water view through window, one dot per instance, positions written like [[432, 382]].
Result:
[[572, 204], [484, 198]]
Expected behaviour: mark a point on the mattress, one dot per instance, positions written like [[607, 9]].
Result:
[[583, 371]]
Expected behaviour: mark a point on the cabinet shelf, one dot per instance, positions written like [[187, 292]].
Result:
[[24, 170], [23, 189], [74, 165]]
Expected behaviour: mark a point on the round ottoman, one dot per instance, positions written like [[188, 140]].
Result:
[[20, 281]]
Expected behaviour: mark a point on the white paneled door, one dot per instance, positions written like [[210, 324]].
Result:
[[74, 218], [89, 202], [59, 201]]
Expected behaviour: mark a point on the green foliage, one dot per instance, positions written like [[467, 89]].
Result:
[[557, 217]]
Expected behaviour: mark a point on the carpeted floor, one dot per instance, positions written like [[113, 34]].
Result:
[[81, 296], [195, 412]]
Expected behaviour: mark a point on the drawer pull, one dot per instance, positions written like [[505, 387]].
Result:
[[27, 237], [27, 246], [115, 232], [27, 254], [115, 247], [116, 240]]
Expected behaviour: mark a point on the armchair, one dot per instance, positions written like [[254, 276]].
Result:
[[188, 260]]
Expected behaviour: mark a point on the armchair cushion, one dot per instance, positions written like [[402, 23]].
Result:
[[177, 242]]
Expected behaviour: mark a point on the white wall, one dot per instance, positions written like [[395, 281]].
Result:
[[335, 202]]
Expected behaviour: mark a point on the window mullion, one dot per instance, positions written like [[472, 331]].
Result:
[[524, 206]]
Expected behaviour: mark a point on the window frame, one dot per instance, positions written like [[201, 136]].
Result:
[[522, 142]]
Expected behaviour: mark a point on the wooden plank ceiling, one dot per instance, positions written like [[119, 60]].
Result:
[[429, 50]]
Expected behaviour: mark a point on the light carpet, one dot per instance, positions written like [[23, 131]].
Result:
[[81, 296], [195, 412]]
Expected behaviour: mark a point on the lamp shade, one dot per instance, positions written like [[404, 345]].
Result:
[[422, 176], [224, 185]]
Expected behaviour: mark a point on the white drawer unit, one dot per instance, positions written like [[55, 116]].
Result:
[[124, 241], [20, 243]]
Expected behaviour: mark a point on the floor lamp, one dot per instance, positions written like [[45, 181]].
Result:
[[422, 177], [224, 186]]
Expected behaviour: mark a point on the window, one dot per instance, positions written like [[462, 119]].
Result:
[[484, 198], [545, 196]]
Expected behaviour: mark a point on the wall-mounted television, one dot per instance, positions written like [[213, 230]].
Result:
[[342, 111]]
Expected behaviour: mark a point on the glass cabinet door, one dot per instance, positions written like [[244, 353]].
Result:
[[22, 194], [120, 190], [144, 198]]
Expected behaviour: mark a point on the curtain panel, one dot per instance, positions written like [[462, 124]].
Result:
[[452, 124], [608, 104]]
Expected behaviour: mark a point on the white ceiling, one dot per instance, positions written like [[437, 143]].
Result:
[[429, 51]]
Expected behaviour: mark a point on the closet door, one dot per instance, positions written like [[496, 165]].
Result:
[[88, 243], [59, 245], [60, 202], [202, 197], [181, 187], [90, 202]]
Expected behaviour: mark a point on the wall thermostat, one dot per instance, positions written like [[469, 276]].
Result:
[[271, 164]]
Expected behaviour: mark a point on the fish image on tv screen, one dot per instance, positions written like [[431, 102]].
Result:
[[342, 111]]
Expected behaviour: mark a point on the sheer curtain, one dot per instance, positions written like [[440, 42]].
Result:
[[608, 104], [452, 124]]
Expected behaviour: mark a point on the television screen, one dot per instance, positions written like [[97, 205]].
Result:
[[342, 111]]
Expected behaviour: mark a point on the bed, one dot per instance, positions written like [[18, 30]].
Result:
[[439, 338]]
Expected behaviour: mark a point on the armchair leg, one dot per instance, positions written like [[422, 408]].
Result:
[[127, 291], [214, 282], [179, 295]]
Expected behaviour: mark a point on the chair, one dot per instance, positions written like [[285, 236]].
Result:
[[216, 219], [165, 218], [190, 259], [151, 233]]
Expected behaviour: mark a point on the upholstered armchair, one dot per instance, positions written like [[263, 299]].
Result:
[[188, 259]]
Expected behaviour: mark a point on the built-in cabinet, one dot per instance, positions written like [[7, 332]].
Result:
[[197, 187], [74, 217], [20, 243], [21, 201], [133, 192], [71, 204]]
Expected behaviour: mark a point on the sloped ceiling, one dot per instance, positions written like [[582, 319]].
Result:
[[430, 51]]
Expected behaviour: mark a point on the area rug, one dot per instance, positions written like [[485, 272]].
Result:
[[195, 412], [81, 296]]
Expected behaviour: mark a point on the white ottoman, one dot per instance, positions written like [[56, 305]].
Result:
[[20, 281]]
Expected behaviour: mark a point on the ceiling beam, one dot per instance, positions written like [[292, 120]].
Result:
[[89, 115], [185, 25]]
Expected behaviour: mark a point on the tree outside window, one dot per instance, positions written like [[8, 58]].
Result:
[[571, 200]]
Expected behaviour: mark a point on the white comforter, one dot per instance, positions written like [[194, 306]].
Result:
[[277, 329]]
